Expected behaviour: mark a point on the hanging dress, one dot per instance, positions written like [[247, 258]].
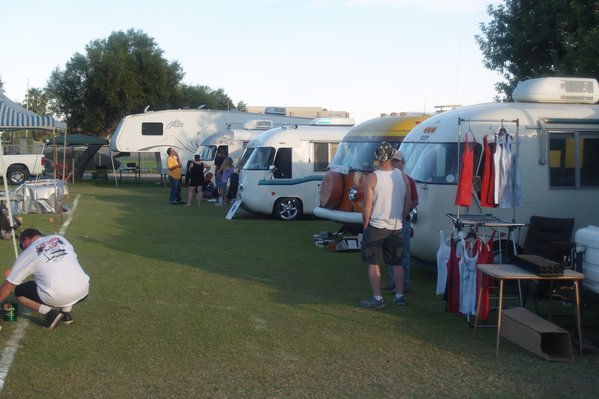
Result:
[[442, 259], [464, 191], [467, 267], [452, 291], [510, 193], [488, 180], [485, 256]]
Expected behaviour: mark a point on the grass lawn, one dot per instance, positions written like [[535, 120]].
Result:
[[187, 304]]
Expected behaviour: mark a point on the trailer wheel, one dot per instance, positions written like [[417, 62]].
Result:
[[17, 174], [288, 208]]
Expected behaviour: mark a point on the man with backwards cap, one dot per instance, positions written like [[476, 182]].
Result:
[[386, 204], [58, 281]]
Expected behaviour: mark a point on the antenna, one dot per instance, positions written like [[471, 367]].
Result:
[[147, 108]]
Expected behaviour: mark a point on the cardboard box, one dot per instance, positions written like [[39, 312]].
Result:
[[536, 334]]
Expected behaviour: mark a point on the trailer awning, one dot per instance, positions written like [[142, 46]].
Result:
[[15, 117]]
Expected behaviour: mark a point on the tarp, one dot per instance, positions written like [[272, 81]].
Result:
[[15, 117], [78, 139]]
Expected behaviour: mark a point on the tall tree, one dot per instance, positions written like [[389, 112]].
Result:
[[529, 38], [117, 76]]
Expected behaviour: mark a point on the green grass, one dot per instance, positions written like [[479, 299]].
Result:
[[186, 304]]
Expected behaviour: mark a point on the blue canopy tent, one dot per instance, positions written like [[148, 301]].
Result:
[[15, 117]]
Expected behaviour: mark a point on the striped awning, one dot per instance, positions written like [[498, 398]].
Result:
[[15, 117]]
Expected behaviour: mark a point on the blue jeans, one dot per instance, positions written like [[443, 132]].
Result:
[[175, 193], [405, 262]]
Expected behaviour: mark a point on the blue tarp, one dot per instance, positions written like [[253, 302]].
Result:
[[15, 117]]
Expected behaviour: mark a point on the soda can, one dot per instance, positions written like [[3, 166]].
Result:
[[9, 311]]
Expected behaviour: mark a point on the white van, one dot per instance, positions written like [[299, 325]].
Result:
[[554, 123], [282, 174], [232, 141]]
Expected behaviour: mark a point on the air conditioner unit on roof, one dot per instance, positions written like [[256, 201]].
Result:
[[557, 90], [256, 124]]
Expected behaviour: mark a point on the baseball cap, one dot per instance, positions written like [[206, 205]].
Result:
[[398, 155], [384, 152]]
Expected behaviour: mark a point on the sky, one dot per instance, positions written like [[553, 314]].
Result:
[[366, 57]]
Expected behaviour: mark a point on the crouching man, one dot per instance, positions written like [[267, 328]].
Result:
[[58, 281]]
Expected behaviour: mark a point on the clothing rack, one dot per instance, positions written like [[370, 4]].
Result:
[[501, 122]]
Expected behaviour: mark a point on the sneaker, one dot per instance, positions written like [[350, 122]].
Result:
[[52, 318], [372, 304], [401, 301], [67, 318]]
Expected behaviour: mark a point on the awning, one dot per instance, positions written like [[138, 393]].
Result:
[[15, 117], [77, 139]]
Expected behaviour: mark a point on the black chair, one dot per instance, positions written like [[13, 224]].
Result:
[[549, 238]]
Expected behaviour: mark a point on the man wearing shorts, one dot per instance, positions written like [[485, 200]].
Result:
[[386, 205], [58, 281]]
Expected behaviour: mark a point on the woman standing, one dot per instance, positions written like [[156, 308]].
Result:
[[196, 171], [223, 174]]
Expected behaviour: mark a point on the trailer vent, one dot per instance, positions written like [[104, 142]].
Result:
[[256, 124], [557, 90]]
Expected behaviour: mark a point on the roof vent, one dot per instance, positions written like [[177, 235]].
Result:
[[328, 121], [557, 90], [256, 124]]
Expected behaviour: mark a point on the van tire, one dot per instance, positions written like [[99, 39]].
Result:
[[288, 208], [17, 175]]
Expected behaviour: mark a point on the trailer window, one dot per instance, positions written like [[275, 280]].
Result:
[[573, 162], [433, 162], [589, 170], [323, 154], [151, 129], [283, 164]]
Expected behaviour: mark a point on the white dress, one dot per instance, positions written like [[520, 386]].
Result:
[[442, 258]]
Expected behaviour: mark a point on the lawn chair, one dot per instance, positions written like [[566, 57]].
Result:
[[101, 174], [549, 238]]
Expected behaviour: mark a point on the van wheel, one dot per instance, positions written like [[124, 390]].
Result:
[[288, 208], [17, 175]]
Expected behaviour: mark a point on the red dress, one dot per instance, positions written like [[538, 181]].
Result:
[[464, 193], [487, 187], [485, 256]]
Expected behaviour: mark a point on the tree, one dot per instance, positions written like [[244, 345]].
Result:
[[529, 39], [116, 77], [36, 101]]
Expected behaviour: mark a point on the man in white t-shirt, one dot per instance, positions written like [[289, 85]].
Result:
[[386, 204], [58, 281]]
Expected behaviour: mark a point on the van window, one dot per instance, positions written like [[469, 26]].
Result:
[[283, 164], [207, 152], [323, 154], [573, 160], [261, 159], [247, 152], [354, 156], [151, 129]]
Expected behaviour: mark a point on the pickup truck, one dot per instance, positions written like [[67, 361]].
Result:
[[19, 167]]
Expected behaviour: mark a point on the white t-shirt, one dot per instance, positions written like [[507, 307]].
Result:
[[387, 206], [53, 263]]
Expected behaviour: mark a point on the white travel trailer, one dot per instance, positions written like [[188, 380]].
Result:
[[554, 123], [182, 129], [232, 141], [285, 167]]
